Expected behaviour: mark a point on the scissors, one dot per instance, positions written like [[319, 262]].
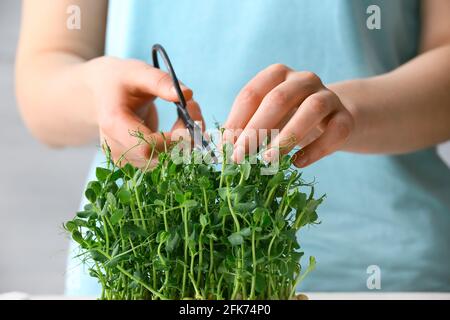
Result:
[[191, 125]]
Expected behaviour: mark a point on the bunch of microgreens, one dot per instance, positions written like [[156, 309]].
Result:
[[195, 230]]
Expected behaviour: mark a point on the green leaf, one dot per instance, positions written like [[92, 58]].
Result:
[[276, 179], [117, 215], [130, 229], [76, 235], [245, 206], [173, 168], [111, 199], [95, 186], [116, 175], [80, 222], [258, 214], [190, 203], [224, 211], [260, 283], [231, 170], [102, 173], [246, 232], [266, 221], [115, 261], [285, 162], [128, 170], [162, 236], [90, 195], [172, 242], [298, 201], [124, 196], [245, 169], [223, 193], [203, 220], [88, 207], [85, 214], [204, 183], [71, 226], [236, 239], [239, 192], [156, 175], [312, 205], [97, 256], [163, 187], [159, 203], [179, 197]]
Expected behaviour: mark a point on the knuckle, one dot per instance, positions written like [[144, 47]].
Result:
[[277, 98], [278, 68], [310, 76], [319, 104], [248, 95], [162, 80], [341, 126]]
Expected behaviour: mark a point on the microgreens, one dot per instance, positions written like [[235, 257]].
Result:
[[195, 231]]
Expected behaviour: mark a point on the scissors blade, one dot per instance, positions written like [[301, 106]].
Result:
[[195, 131]]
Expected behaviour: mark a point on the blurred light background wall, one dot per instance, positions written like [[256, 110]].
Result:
[[40, 188]]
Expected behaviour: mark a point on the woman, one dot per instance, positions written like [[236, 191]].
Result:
[[378, 98]]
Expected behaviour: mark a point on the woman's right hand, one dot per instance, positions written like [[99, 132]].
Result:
[[124, 92]]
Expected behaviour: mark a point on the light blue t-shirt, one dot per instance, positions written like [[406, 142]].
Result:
[[389, 211]]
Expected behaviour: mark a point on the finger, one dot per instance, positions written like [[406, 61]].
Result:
[[120, 154], [312, 135], [336, 133], [251, 96], [179, 130], [195, 112], [309, 115], [143, 78], [277, 104], [149, 115], [124, 125]]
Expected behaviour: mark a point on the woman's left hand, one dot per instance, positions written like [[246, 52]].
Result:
[[307, 113]]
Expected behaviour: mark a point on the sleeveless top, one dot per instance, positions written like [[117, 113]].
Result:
[[391, 211]]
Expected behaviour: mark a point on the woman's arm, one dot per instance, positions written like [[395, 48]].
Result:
[[52, 93], [69, 93], [409, 108], [401, 111]]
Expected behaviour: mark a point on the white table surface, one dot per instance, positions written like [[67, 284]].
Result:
[[311, 296]]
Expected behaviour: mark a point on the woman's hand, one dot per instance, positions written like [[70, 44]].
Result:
[[298, 104], [124, 92]]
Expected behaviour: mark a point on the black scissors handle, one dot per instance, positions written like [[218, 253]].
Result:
[[181, 105]]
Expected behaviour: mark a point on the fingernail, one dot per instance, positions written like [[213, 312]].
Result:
[[268, 155], [227, 136], [294, 158], [301, 160], [238, 154]]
